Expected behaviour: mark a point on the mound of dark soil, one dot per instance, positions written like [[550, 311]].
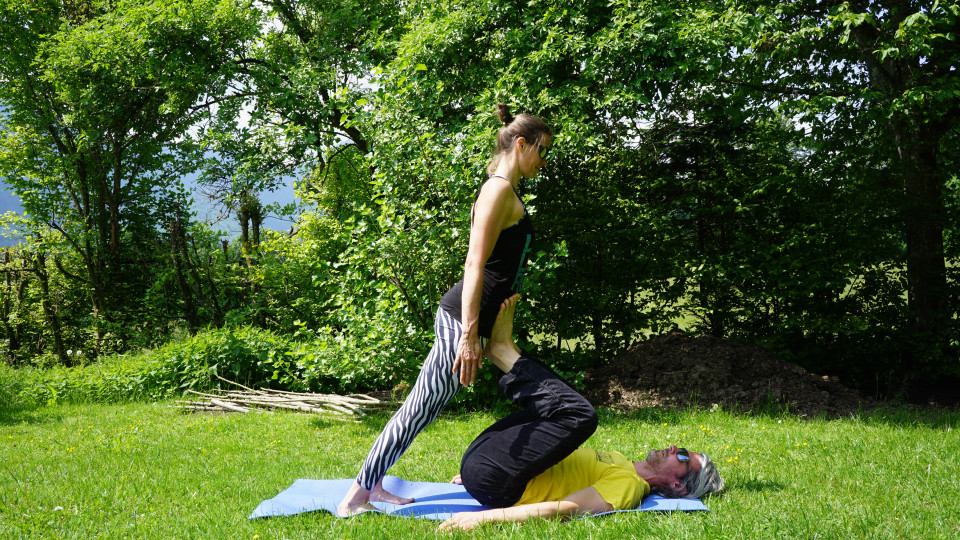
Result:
[[677, 370]]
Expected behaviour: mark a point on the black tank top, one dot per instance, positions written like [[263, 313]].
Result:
[[502, 275]]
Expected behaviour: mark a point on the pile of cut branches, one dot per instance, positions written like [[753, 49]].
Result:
[[245, 400]]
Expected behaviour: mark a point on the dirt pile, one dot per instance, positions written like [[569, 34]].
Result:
[[677, 370]]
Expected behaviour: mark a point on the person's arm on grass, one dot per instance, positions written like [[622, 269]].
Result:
[[586, 501]]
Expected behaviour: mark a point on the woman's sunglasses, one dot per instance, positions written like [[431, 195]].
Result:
[[544, 150]]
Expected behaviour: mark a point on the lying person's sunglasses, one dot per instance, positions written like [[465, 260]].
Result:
[[683, 454]]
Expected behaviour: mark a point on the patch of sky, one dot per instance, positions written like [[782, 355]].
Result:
[[227, 224], [205, 210], [9, 202]]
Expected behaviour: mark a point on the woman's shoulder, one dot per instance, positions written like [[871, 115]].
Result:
[[497, 182], [496, 187]]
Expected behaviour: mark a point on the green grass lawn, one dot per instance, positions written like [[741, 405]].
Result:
[[149, 471]]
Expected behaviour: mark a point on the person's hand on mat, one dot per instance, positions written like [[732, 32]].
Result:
[[457, 480], [468, 357]]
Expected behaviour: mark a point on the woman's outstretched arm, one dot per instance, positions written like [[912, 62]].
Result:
[[492, 211]]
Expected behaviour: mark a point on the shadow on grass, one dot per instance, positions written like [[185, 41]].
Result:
[[11, 416], [893, 415], [888, 414], [903, 416], [321, 422]]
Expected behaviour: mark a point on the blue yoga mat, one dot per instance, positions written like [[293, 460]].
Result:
[[434, 500]]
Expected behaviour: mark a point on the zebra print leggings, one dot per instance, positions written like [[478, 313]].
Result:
[[435, 387]]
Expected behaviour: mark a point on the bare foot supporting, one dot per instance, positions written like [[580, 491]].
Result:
[[358, 499], [381, 495], [501, 349]]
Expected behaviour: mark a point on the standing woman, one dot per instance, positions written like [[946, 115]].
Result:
[[500, 240]]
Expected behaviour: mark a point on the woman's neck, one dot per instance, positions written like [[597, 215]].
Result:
[[509, 169]]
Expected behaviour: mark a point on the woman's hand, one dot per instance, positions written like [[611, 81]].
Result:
[[469, 357]]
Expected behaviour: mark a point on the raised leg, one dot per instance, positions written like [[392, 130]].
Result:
[[554, 422], [501, 349]]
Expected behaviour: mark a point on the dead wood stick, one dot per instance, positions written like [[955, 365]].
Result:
[[351, 397], [299, 406], [266, 400], [192, 391], [228, 405], [195, 404], [307, 407], [199, 408], [243, 400], [326, 398]]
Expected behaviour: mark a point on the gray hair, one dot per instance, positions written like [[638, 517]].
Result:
[[697, 483]]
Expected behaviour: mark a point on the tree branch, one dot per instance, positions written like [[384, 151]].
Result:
[[56, 262], [786, 90]]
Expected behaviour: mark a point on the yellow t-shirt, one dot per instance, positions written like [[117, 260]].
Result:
[[610, 473]]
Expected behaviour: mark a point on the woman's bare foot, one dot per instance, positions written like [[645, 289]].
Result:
[[381, 495], [501, 349], [358, 499]]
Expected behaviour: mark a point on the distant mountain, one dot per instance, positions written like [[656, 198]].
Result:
[[8, 203], [8, 200], [283, 195]]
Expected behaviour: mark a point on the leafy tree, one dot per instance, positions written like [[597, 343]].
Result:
[[713, 91], [296, 88], [876, 86], [100, 96], [778, 172]]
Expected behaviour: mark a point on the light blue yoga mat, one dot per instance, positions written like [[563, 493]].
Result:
[[434, 500]]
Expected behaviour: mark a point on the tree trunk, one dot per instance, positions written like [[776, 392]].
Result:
[[923, 217], [49, 314], [10, 331], [179, 255], [915, 135]]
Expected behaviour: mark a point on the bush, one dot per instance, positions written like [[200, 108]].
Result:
[[249, 356], [11, 385]]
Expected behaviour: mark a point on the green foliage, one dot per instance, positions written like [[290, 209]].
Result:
[[11, 385], [98, 99], [245, 356], [248, 356], [669, 200], [774, 172], [874, 87]]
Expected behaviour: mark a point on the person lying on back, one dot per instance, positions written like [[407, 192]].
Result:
[[530, 463]]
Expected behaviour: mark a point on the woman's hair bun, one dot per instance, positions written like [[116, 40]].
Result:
[[503, 113]]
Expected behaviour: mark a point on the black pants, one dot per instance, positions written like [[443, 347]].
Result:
[[554, 422]]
